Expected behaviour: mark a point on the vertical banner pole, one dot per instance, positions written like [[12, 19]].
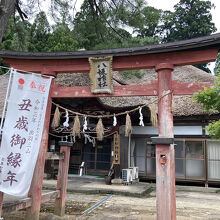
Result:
[[165, 156], [37, 180]]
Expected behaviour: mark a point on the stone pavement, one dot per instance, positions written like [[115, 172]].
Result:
[[94, 185]]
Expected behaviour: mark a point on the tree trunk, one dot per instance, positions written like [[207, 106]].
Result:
[[6, 9]]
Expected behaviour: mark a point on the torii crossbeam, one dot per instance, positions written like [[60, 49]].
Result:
[[163, 58]]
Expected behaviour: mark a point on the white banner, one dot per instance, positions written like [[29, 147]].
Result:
[[22, 132]]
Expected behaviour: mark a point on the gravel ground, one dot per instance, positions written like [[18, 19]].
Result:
[[190, 205]]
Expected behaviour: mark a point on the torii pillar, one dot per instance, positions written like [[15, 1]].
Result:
[[162, 58], [165, 156]]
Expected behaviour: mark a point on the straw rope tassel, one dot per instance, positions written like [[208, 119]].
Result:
[[153, 115], [56, 118], [128, 125], [76, 127], [100, 130]]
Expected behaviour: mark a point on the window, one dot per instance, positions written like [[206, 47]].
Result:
[[213, 154], [194, 159], [151, 159], [179, 159], [189, 158]]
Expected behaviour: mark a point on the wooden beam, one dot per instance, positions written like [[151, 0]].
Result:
[[127, 90], [47, 196], [84, 91], [17, 205], [188, 88], [119, 62], [54, 156], [1, 202], [27, 202]]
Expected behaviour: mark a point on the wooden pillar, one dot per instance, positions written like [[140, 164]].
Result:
[[1, 203], [37, 180], [62, 178], [165, 156]]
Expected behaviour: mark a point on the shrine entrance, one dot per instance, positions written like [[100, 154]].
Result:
[[163, 58]]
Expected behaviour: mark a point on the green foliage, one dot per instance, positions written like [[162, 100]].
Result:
[[217, 65], [210, 100], [214, 129], [103, 26], [17, 35], [3, 70], [148, 22], [90, 26], [40, 32], [191, 18], [62, 39], [39, 36], [210, 97]]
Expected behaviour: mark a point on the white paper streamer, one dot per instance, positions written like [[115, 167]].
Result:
[[66, 123], [86, 139], [114, 121], [90, 139], [85, 124], [74, 139], [93, 144], [141, 123]]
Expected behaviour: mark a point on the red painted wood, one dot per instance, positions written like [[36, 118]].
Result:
[[127, 90], [166, 206], [12, 207], [37, 180], [27, 202], [84, 91], [1, 202], [188, 88], [62, 181], [165, 173], [119, 63], [49, 196]]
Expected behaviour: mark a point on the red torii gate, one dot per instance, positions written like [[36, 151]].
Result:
[[163, 58]]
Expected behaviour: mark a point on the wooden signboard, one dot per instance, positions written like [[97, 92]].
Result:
[[101, 75]]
